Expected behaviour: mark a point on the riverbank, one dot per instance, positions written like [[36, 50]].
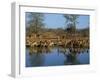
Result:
[[66, 42]]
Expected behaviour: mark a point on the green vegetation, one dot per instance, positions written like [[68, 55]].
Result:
[[36, 23], [71, 21]]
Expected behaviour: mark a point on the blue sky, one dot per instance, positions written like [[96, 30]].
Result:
[[58, 21]]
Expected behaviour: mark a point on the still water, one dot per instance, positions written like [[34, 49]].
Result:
[[56, 56]]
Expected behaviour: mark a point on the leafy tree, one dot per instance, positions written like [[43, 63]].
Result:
[[35, 22], [71, 21]]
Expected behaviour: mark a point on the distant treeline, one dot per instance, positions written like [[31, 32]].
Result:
[[36, 26]]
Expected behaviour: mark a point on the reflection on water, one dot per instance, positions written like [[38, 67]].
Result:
[[52, 56]]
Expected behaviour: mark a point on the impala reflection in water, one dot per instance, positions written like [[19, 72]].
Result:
[[56, 56]]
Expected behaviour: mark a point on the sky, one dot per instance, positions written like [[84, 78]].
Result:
[[58, 21]]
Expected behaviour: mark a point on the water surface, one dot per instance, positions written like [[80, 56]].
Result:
[[56, 56]]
